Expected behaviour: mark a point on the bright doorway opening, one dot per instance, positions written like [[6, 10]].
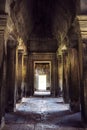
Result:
[[42, 82], [42, 78]]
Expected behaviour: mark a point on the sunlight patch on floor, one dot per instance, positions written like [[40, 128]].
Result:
[[41, 105], [42, 93]]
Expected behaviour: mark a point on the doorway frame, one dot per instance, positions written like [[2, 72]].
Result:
[[38, 62]]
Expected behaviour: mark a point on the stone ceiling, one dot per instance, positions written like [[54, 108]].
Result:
[[42, 19]]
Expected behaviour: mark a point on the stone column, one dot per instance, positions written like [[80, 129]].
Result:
[[74, 84], [56, 87], [60, 87], [25, 73], [82, 50], [83, 81], [65, 76], [20, 75], [11, 73], [3, 20], [56, 77], [30, 89], [2, 91]]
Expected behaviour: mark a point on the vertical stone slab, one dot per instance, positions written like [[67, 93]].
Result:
[[30, 77], [82, 48], [2, 106], [65, 76], [11, 73], [1, 75], [55, 76], [3, 89], [20, 76], [24, 73], [26, 76], [75, 65], [84, 85], [74, 84], [3, 20], [60, 80]]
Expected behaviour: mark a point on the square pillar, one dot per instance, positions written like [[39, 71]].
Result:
[[65, 82], [3, 21], [11, 75], [74, 81]]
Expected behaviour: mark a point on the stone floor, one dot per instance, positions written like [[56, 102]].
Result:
[[43, 114]]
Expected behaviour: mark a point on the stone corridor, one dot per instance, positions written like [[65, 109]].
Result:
[[43, 47], [45, 113]]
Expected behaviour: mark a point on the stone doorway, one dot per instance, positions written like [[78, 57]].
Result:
[[42, 77]]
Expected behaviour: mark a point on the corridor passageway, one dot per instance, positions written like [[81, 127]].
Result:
[[43, 64]]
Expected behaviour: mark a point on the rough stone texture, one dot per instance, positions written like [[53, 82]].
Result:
[[43, 25], [74, 87], [83, 62], [19, 75], [10, 79], [1, 50], [74, 35], [65, 77], [43, 18], [3, 18], [43, 45], [84, 90]]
